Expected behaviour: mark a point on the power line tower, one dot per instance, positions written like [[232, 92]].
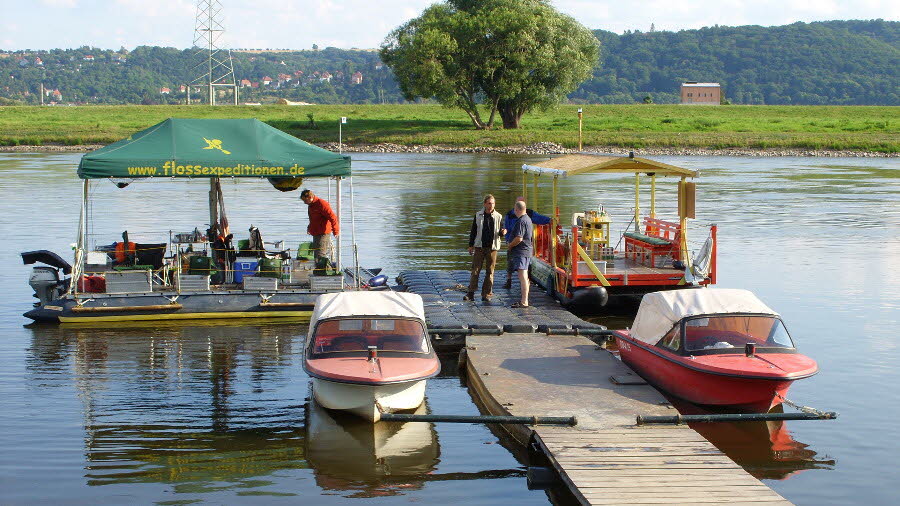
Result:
[[214, 67]]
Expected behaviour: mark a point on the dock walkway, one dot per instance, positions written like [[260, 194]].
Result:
[[443, 292], [606, 458]]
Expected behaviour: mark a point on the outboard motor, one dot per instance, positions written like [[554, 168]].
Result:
[[46, 284], [45, 279]]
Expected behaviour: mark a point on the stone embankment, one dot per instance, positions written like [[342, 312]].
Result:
[[540, 148]]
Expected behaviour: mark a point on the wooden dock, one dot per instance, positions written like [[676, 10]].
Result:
[[606, 458]]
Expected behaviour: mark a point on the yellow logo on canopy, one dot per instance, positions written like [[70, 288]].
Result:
[[215, 144]]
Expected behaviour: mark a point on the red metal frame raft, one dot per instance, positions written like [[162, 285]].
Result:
[[655, 256]]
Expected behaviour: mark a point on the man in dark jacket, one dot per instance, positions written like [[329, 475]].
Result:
[[509, 223], [322, 224]]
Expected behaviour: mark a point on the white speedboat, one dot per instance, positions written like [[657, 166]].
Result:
[[368, 353]]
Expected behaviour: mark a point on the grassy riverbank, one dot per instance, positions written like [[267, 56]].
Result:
[[856, 128]]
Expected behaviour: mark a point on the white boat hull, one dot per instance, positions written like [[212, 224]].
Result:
[[369, 401]]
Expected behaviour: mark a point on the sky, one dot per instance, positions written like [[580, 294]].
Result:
[[298, 24]]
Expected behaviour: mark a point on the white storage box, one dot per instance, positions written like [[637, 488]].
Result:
[[584, 269], [128, 281], [193, 282], [259, 283], [325, 283]]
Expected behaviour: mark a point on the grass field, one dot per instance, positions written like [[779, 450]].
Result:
[[858, 128]]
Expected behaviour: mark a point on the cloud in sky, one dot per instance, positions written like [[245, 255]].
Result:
[[299, 24]]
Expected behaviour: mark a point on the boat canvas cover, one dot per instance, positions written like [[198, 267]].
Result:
[[210, 148], [368, 304], [659, 311]]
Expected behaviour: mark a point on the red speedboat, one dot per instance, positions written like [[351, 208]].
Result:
[[368, 352], [715, 347]]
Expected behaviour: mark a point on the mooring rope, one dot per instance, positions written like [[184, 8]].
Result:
[[798, 407]]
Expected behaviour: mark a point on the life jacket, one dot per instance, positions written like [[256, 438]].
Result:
[[121, 254]]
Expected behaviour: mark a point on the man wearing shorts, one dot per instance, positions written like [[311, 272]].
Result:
[[521, 250]]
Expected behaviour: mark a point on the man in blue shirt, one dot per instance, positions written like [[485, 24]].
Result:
[[509, 222], [521, 250]]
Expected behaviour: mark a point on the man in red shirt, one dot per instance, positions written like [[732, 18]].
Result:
[[322, 223]]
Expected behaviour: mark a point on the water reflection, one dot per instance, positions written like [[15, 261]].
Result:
[[180, 404], [766, 450], [365, 459]]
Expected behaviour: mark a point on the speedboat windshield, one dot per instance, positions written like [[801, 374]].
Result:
[[351, 335], [735, 331]]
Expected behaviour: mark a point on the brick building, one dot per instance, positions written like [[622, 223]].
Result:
[[693, 93]]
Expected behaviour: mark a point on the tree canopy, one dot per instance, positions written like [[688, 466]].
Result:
[[508, 56]]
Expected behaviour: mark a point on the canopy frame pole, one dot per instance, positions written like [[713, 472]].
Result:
[[525, 185], [554, 222], [213, 202], [535, 188], [682, 221], [637, 202], [353, 235], [653, 194], [79, 246], [340, 219]]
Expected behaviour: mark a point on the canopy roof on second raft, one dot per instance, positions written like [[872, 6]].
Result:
[[209, 148], [570, 165]]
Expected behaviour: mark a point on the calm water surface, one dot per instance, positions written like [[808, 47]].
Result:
[[180, 414]]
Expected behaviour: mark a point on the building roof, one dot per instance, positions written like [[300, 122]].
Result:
[[697, 85], [569, 165]]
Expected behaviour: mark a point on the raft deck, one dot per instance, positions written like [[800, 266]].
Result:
[[606, 458]]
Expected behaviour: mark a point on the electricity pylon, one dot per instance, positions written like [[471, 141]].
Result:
[[214, 67]]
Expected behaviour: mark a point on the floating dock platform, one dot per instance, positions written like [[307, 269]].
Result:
[[606, 458], [443, 292]]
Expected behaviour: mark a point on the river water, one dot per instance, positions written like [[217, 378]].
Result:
[[180, 414]]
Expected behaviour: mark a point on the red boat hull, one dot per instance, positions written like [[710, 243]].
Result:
[[685, 378]]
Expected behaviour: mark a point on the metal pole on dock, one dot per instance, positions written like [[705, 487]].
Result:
[[733, 417], [524, 420], [579, 129]]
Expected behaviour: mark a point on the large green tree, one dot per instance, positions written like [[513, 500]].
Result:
[[506, 57]]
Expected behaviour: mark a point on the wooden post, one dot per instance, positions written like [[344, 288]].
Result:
[[637, 202], [682, 220], [579, 128]]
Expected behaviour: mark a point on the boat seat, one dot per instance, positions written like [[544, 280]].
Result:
[[348, 343], [656, 241], [397, 343]]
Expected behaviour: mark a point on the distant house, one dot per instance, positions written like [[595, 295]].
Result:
[[245, 83], [298, 73], [38, 61], [121, 59], [164, 91], [325, 76], [694, 93], [56, 95], [254, 85], [356, 78], [379, 66], [182, 88], [284, 77], [89, 57], [266, 80]]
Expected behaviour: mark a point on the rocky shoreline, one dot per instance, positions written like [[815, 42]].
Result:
[[541, 148]]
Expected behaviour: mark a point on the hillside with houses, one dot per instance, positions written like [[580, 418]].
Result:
[[821, 63]]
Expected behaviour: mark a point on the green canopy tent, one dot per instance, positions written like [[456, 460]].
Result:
[[210, 148]]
